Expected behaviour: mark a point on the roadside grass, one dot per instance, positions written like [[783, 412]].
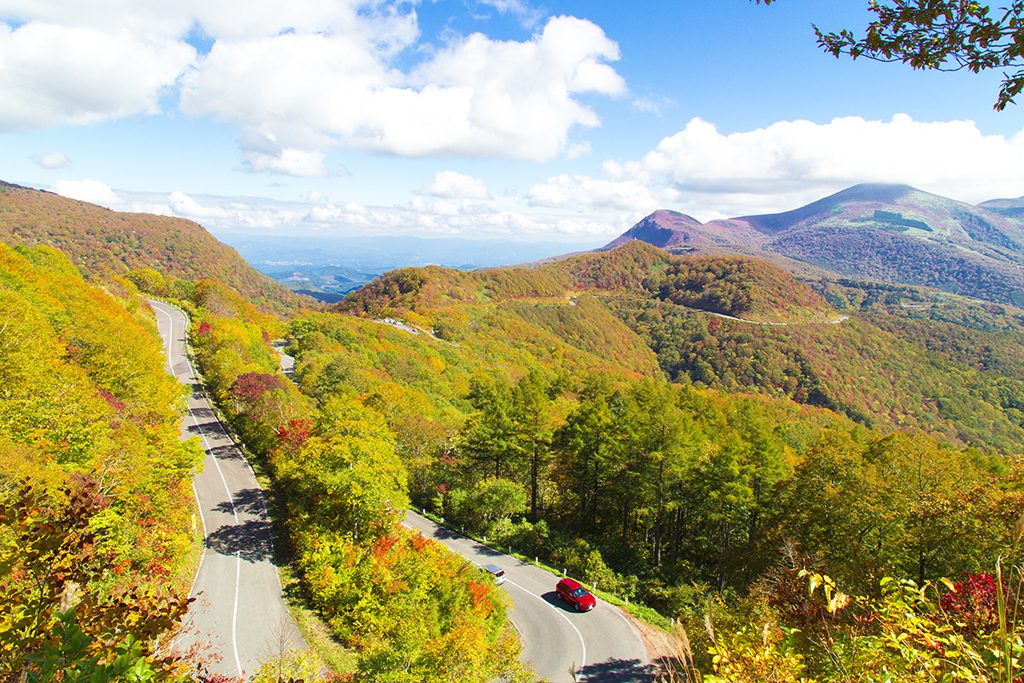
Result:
[[314, 630], [186, 573]]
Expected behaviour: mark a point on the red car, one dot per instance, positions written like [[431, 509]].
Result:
[[576, 595]]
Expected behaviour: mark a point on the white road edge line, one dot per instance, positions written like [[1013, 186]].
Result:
[[234, 614], [583, 644], [202, 434], [202, 557], [238, 572]]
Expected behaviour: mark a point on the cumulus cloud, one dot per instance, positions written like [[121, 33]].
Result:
[[304, 77], [53, 75], [807, 159], [93, 191], [457, 186], [52, 160], [710, 174], [289, 161], [584, 192], [474, 97], [422, 216]]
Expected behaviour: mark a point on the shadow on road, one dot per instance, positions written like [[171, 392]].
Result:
[[197, 430], [246, 501], [618, 671], [551, 597], [228, 452], [446, 534], [250, 540]]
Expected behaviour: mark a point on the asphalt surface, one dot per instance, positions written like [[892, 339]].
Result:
[[239, 617], [558, 642]]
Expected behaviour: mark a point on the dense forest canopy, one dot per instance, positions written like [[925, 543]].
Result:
[[95, 506], [710, 437]]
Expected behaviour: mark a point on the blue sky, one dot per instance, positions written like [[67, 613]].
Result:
[[560, 121]]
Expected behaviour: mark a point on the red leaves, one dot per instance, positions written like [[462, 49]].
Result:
[[972, 602], [419, 542], [295, 434], [382, 546], [249, 387], [118, 406], [480, 595], [204, 329]]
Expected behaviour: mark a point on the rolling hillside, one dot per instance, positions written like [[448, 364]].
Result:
[[885, 355], [886, 233], [1014, 208], [102, 243]]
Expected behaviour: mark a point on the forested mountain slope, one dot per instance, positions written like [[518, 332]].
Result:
[[95, 503], [887, 356], [686, 497], [102, 243], [886, 233]]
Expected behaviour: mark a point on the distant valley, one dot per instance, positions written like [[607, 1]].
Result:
[[892, 234], [327, 268]]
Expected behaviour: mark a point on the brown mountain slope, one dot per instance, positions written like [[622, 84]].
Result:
[[887, 233], [102, 243]]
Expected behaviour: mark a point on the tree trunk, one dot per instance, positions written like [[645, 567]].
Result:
[[534, 466], [658, 515]]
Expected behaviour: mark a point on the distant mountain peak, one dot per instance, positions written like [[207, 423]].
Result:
[[890, 232], [878, 191], [669, 217], [663, 228]]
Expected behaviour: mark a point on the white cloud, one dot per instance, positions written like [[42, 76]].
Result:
[[92, 191], [290, 161], [475, 97], [457, 186], [577, 150], [183, 205], [55, 75], [304, 77], [52, 160], [801, 159], [421, 216], [652, 105], [584, 192], [710, 174]]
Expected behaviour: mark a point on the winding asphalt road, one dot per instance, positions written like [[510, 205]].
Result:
[[239, 615], [601, 645]]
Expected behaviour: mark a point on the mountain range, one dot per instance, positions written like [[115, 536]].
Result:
[[886, 233], [673, 420]]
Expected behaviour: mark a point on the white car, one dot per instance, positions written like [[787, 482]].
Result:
[[497, 572]]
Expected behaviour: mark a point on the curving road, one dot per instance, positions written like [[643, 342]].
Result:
[[601, 645], [239, 615]]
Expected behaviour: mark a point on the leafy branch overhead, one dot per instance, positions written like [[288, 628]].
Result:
[[944, 35]]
